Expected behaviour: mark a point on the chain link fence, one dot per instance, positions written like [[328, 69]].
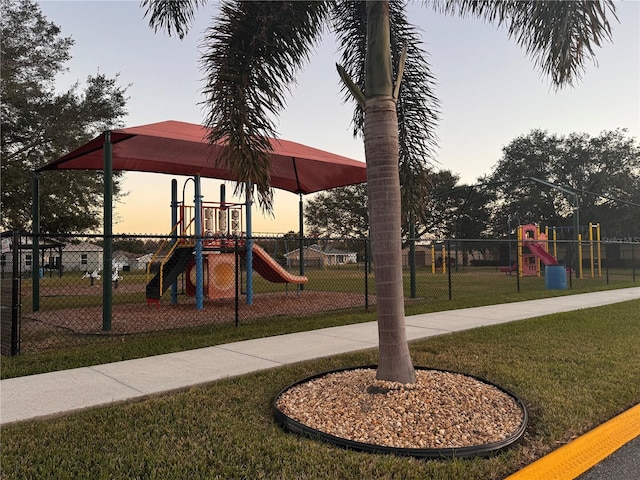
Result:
[[57, 296], [471, 269], [157, 283]]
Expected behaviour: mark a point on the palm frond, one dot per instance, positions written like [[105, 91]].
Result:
[[418, 108], [350, 25], [417, 105], [250, 60], [560, 36], [171, 15]]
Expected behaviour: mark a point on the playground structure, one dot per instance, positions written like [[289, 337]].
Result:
[[220, 242], [532, 251], [536, 247]]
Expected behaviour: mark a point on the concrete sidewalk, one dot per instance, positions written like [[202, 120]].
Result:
[[43, 395]]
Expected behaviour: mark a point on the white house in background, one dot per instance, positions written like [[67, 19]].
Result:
[[89, 257], [49, 255], [124, 261], [316, 256], [82, 257], [339, 257], [143, 261]]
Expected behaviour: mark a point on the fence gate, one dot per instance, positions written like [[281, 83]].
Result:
[[10, 301]]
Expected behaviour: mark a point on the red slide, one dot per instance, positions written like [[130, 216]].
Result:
[[271, 270], [539, 251]]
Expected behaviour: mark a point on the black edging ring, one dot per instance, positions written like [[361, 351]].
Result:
[[293, 426]]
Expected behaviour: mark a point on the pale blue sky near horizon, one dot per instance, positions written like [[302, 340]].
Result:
[[490, 93]]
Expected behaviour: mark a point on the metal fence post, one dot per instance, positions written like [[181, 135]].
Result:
[[237, 276], [412, 254], [633, 263], [15, 296], [366, 275], [449, 267], [518, 266]]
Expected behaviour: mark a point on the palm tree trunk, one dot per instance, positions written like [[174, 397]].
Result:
[[383, 189]]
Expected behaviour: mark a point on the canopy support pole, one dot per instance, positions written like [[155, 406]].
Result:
[[174, 234], [107, 252], [301, 235], [249, 245]]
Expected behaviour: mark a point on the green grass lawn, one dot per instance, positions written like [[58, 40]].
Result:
[[573, 370]]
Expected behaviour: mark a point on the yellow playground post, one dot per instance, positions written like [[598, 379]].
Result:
[[520, 251], [444, 259], [580, 256], [433, 258]]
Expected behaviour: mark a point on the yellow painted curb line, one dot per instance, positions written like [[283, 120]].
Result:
[[573, 459]]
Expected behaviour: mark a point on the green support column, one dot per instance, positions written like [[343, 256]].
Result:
[[174, 233], [576, 223], [249, 244], [35, 245], [301, 234], [107, 252], [14, 347]]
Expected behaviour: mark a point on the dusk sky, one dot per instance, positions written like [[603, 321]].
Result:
[[490, 93]]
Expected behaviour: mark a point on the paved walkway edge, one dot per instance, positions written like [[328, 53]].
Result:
[[576, 457]]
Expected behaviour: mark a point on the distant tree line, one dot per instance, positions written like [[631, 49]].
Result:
[[603, 171], [40, 124]]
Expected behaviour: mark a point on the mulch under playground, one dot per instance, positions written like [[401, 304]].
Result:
[[140, 318]]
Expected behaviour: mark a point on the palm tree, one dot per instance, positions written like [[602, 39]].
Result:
[[253, 51]]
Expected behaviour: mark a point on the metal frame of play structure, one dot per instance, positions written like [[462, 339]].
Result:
[[206, 241]]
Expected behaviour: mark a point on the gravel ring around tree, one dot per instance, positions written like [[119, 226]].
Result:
[[444, 414]]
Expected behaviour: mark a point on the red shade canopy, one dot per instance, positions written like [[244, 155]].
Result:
[[181, 148]]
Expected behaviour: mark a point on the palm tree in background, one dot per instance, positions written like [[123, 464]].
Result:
[[253, 51]]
